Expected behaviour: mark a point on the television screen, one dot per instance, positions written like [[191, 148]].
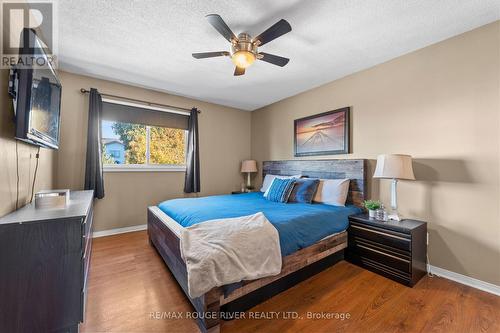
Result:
[[37, 98], [44, 105]]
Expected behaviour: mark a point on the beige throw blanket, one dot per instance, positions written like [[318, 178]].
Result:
[[220, 252]]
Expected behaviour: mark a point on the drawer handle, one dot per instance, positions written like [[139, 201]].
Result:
[[371, 263], [379, 232], [375, 246], [383, 253]]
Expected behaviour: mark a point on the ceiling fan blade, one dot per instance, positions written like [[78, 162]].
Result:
[[278, 29], [274, 59], [218, 23], [239, 71], [210, 54]]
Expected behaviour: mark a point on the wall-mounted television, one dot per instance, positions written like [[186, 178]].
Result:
[[36, 93]]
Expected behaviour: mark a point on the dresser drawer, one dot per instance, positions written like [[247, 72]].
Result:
[[85, 276], [87, 224], [86, 261], [391, 238], [397, 259], [87, 230], [83, 304]]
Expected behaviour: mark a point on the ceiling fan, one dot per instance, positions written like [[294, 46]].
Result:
[[244, 48]]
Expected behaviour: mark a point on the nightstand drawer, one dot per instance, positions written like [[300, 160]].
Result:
[[389, 272], [397, 259], [391, 238]]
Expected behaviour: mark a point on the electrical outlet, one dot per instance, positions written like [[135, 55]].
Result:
[[427, 240]]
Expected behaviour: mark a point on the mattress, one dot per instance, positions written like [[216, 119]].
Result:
[[299, 225]]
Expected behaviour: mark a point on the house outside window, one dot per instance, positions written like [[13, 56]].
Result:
[[115, 149]]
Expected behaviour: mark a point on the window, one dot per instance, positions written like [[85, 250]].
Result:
[[115, 154], [144, 146]]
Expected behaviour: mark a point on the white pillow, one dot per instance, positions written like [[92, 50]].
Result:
[[332, 192], [268, 180]]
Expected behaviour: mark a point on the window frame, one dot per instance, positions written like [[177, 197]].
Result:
[[146, 167]]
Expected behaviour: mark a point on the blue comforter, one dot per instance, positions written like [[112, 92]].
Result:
[[299, 225]]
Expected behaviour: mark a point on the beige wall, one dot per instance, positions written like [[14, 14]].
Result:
[[27, 161], [224, 142], [440, 104]]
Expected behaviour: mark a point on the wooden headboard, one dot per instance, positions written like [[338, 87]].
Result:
[[355, 170]]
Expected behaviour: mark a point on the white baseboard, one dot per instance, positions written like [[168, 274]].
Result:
[[463, 279], [119, 230]]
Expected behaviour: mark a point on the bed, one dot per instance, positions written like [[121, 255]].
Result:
[[312, 237]]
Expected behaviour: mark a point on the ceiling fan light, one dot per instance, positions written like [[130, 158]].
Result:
[[243, 59]]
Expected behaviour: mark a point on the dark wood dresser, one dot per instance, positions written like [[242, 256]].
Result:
[[397, 250], [44, 264]]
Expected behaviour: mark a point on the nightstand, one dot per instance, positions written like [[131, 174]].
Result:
[[396, 250]]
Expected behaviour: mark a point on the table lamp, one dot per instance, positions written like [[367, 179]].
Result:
[[249, 166], [395, 167]]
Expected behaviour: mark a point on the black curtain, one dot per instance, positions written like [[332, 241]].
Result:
[[192, 180], [93, 165]]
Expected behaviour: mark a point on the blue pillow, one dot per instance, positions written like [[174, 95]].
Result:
[[280, 189], [303, 191]]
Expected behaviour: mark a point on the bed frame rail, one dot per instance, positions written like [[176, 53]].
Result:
[[164, 236]]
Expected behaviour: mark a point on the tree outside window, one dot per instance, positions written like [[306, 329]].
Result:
[[143, 145]]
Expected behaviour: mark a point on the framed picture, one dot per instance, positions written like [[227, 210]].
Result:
[[323, 134]]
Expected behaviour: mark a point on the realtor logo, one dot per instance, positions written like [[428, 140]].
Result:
[[19, 17]]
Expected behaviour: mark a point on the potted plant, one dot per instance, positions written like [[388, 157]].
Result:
[[372, 206]]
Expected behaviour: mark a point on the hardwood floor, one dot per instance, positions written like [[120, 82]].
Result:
[[131, 290]]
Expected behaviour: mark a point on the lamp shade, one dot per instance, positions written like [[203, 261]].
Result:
[[249, 166], [394, 166]]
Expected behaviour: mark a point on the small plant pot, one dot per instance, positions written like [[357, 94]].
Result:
[[372, 213]]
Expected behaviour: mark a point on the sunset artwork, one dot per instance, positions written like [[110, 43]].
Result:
[[322, 134]]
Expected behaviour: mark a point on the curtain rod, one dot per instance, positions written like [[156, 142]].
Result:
[[85, 91]]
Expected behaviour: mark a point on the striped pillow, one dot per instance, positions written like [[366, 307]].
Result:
[[280, 190]]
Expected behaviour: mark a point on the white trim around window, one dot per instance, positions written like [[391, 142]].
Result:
[[142, 168]]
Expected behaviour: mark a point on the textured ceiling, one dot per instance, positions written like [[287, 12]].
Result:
[[149, 43]]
